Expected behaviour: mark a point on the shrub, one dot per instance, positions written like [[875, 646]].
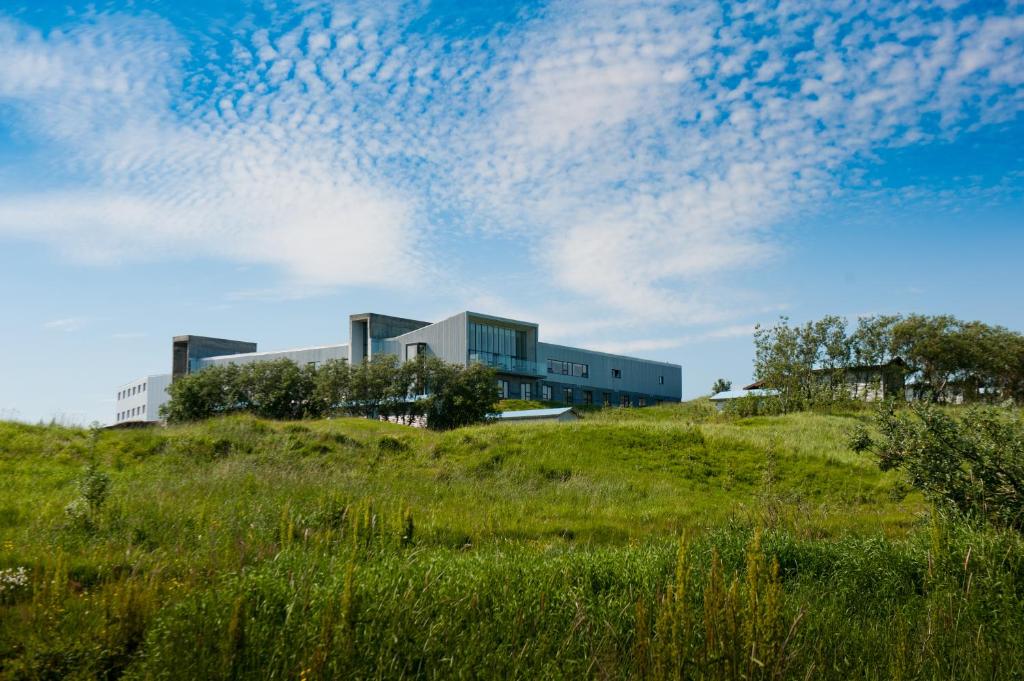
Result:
[[973, 465]]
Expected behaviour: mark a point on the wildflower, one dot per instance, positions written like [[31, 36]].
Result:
[[13, 579]]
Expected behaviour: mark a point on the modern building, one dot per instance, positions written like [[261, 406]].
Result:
[[527, 368], [140, 400]]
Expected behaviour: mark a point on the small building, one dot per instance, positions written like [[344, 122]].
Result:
[[723, 398], [868, 382], [559, 414]]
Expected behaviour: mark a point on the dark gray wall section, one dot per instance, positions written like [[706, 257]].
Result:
[[639, 376]]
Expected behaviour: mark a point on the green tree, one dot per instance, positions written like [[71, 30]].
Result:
[[461, 396], [973, 465], [721, 386]]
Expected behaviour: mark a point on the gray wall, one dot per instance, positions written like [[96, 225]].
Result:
[[445, 339], [301, 356], [639, 376]]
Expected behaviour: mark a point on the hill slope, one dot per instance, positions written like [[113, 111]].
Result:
[[510, 550]]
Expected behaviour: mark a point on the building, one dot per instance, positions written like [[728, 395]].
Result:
[[527, 368], [868, 382], [726, 396], [557, 414], [140, 401]]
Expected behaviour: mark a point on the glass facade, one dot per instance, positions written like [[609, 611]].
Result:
[[500, 347]]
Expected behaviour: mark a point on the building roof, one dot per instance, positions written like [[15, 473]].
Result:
[[737, 394], [533, 413]]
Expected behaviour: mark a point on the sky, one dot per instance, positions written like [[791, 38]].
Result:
[[649, 178]]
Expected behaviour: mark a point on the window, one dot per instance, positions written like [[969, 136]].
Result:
[[588, 397], [143, 409], [616, 373], [623, 400], [558, 367], [525, 391], [606, 399], [567, 395], [143, 387], [503, 389], [545, 392], [641, 402], [661, 380]]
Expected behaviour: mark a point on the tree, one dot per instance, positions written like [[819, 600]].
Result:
[[721, 386], [973, 466], [461, 396]]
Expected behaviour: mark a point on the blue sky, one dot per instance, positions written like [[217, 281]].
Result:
[[640, 177]]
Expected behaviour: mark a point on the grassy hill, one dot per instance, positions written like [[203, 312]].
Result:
[[244, 548]]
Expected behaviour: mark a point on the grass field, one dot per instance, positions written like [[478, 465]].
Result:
[[668, 542]]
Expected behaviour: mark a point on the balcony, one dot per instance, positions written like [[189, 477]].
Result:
[[506, 363]]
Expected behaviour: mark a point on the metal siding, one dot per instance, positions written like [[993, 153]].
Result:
[[639, 376], [445, 339], [300, 356]]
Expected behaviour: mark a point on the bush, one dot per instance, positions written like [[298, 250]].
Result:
[[454, 395], [973, 465]]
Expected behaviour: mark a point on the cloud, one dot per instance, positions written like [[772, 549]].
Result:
[[636, 150], [67, 324]]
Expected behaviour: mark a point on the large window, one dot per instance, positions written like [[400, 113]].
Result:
[[606, 399], [588, 397], [525, 391], [567, 395], [545, 392], [558, 367], [497, 346], [624, 400], [503, 389]]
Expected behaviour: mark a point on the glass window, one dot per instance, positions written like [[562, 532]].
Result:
[[641, 402], [503, 389], [616, 373], [567, 395], [525, 391], [606, 399], [588, 397], [661, 380], [545, 392], [624, 400]]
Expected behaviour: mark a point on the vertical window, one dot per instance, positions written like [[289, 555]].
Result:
[[616, 373], [526, 391], [143, 387], [503, 389], [567, 395], [606, 399], [641, 402], [545, 392], [661, 380], [588, 397], [623, 400]]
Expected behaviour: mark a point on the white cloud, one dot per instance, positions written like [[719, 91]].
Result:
[[66, 324], [637, 151]]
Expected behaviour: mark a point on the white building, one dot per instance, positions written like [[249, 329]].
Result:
[[141, 400]]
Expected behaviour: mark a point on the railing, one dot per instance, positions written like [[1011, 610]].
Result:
[[506, 363]]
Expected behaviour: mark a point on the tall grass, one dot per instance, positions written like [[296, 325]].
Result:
[[241, 548]]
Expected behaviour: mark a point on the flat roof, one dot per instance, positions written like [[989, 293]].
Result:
[[609, 354], [533, 413], [737, 394], [274, 352]]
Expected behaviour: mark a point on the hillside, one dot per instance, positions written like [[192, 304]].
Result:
[[245, 548]]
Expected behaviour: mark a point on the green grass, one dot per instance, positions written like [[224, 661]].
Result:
[[348, 548]]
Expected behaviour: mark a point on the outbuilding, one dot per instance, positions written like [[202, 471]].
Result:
[[560, 414]]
